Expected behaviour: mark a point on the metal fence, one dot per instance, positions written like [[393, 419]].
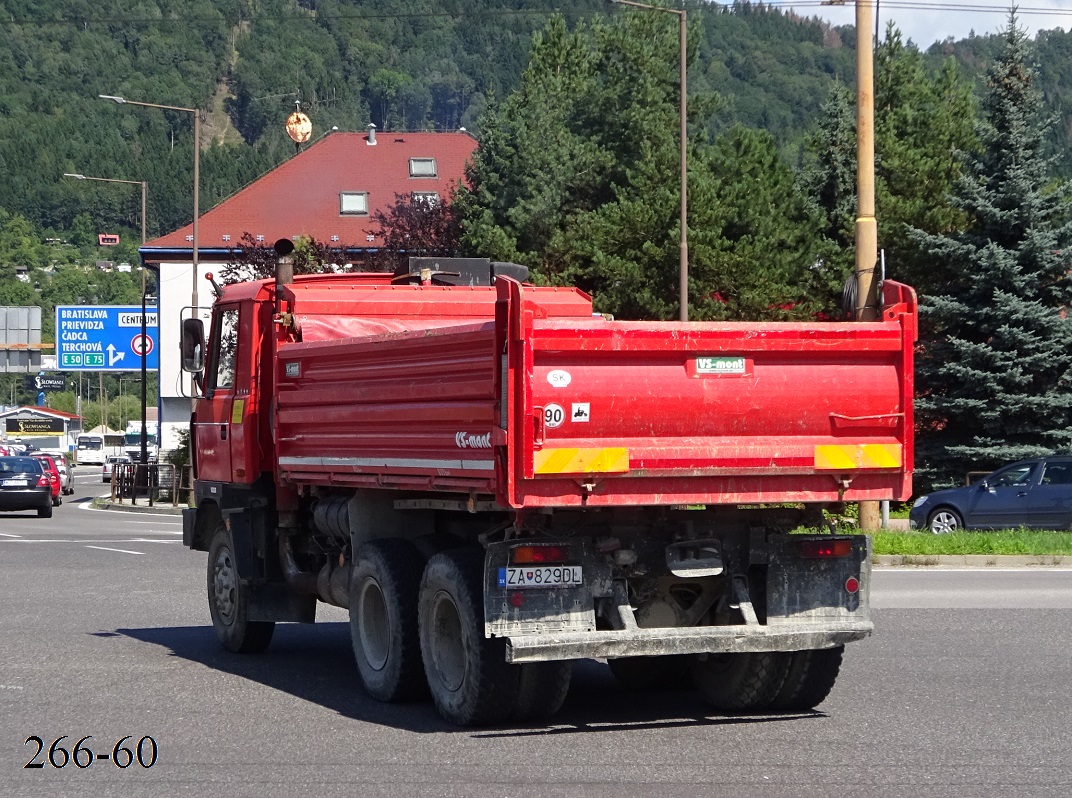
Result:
[[155, 482]]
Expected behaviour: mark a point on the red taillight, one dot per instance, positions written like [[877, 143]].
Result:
[[43, 481], [816, 549], [532, 555]]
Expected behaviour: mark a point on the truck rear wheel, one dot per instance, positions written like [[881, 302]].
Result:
[[740, 682], [468, 676], [228, 600], [383, 620], [542, 689], [810, 679]]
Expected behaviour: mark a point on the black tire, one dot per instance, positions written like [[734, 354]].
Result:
[[228, 600], [944, 520], [383, 620], [470, 681], [542, 689], [650, 673], [810, 679], [740, 682], [57, 501], [45, 511]]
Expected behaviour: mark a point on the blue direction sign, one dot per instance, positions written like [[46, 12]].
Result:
[[105, 338]]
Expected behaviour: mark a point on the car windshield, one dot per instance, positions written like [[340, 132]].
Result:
[[21, 465]]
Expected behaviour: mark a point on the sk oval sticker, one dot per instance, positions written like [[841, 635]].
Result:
[[559, 378]]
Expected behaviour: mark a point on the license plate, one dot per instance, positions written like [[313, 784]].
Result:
[[542, 576], [15, 483]]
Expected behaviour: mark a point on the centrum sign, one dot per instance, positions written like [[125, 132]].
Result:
[[105, 338]]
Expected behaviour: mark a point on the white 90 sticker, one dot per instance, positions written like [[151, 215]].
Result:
[[559, 378], [553, 416]]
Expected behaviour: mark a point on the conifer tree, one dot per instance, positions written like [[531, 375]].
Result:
[[994, 376]]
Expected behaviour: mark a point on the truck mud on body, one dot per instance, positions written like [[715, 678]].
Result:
[[495, 482]]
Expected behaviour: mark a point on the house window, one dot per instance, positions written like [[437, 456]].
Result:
[[422, 167], [428, 197], [353, 202]]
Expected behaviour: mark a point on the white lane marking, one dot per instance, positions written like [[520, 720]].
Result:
[[8, 535], [148, 540], [81, 540], [121, 551]]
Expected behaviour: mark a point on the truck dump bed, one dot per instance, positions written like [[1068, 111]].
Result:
[[520, 393]]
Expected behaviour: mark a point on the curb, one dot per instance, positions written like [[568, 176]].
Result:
[[158, 508], [970, 561]]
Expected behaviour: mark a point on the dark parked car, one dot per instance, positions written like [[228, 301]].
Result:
[[1031, 493], [24, 485]]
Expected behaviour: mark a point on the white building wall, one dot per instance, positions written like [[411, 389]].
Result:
[[174, 303]]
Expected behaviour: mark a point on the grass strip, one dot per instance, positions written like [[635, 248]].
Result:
[[1022, 542]]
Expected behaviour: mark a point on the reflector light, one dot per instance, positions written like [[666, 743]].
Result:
[[517, 598], [531, 555], [852, 584], [815, 549]]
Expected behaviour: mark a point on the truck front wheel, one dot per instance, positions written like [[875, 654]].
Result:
[[383, 620], [468, 676], [740, 682], [228, 600]]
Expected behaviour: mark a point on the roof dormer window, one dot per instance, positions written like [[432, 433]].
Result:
[[353, 203], [422, 167]]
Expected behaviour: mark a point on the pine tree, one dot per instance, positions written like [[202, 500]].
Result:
[[994, 377]]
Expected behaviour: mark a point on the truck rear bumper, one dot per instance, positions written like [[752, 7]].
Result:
[[691, 640]]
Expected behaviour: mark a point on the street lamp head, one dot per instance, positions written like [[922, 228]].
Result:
[[119, 100], [75, 176]]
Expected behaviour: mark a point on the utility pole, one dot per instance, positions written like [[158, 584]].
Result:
[[868, 307]]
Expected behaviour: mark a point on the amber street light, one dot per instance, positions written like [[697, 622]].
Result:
[[144, 398], [197, 169], [683, 247]]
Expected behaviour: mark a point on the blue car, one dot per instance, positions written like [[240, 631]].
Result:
[[1033, 493]]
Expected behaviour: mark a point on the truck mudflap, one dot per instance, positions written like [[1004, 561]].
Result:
[[691, 640]]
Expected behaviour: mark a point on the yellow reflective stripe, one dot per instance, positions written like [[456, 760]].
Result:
[[581, 461], [844, 457], [237, 409]]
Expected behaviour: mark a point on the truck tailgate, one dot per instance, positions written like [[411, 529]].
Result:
[[620, 413]]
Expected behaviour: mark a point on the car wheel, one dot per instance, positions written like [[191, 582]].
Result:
[[45, 512], [944, 520]]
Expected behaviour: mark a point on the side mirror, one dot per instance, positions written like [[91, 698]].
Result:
[[193, 345]]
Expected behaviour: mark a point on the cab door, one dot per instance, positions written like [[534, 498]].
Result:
[[212, 422]]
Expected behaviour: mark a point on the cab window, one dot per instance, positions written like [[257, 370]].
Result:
[[225, 349]]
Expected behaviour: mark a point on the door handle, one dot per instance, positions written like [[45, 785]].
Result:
[[223, 432]]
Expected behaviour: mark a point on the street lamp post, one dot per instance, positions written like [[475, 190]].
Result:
[[144, 354], [683, 246], [197, 177]]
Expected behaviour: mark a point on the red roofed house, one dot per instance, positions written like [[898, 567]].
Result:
[[327, 192]]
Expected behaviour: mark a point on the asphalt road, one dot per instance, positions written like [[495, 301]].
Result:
[[104, 631]]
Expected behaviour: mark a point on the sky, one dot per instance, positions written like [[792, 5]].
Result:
[[928, 21]]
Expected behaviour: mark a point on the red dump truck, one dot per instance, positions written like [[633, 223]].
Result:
[[496, 481]]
